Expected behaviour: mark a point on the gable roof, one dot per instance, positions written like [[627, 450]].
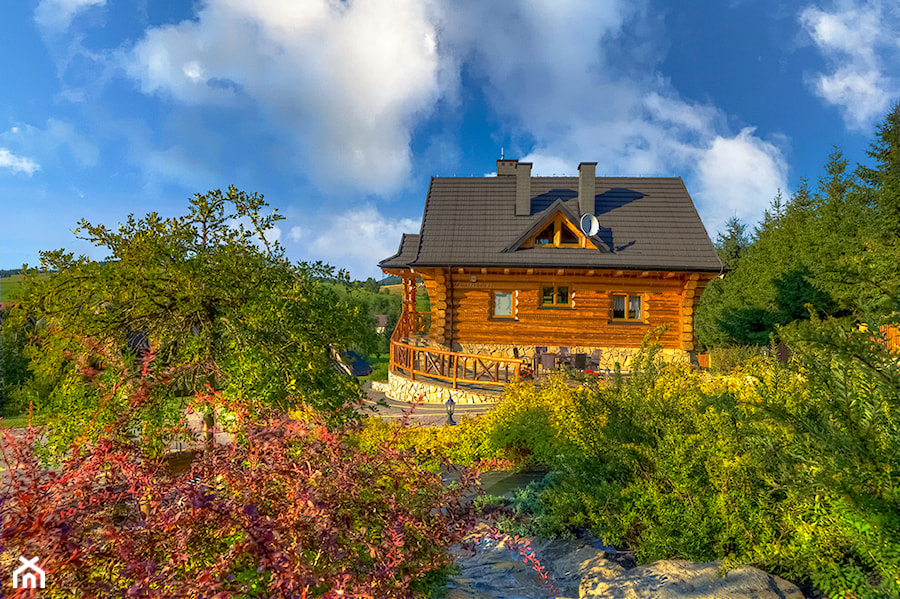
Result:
[[645, 224]]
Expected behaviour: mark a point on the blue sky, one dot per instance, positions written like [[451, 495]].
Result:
[[339, 112]]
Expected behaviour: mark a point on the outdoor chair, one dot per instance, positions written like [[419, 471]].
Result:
[[538, 352], [579, 361], [548, 361], [565, 355], [594, 360]]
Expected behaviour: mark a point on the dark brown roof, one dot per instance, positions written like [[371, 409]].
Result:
[[409, 246], [645, 224]]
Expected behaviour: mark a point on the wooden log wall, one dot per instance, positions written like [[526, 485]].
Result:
[[461, 307]]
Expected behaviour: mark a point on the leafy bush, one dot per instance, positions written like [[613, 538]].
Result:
[[791, 468], [722, 360], [290, 509], [13, 365]]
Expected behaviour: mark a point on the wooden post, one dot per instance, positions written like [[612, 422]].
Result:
[[455, 368], [412, 364]]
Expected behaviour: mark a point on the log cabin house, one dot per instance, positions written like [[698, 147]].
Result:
[[513, 262]]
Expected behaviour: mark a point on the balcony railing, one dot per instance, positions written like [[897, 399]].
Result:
[[443, 364]]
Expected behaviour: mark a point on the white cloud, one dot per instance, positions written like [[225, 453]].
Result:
[[357, 239], [345, 81], [17, 164], [297, 233], [55, 135], [55, 15], [857, 39], [348, 82], [739, 176]]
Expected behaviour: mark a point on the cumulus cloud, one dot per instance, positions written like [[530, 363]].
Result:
[[55, 15], [348, 82], [739, 176], [357, 239], [17, 164], [857, 39], [345, 81]]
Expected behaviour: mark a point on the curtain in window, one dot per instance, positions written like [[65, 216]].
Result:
[[634, 307], [619, 306], [502, 304]]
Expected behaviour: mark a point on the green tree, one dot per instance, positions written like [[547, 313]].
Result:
[[215, 299], [835, 249], [733, 244]]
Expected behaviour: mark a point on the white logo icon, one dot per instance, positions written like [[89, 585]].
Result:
[[27, 574]]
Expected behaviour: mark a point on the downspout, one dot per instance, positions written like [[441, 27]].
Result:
[[449, 309]]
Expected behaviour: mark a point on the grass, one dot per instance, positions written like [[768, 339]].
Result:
[[9, 287], [20, 421], [379, 364]]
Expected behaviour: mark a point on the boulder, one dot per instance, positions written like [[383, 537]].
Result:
[[582, 570], [678, 579]]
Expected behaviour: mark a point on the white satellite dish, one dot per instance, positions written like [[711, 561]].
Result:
[[589, 225]]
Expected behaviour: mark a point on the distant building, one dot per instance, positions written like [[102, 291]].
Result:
[[380, 323]]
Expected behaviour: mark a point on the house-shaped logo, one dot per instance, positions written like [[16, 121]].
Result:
[[28, 575]]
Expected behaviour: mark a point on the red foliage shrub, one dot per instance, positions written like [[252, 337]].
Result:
[[289, 509]]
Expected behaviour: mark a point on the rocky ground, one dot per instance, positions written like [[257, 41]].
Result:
[[582, 570]]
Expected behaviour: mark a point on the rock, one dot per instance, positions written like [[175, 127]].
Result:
[[677, 579], [581, 570]]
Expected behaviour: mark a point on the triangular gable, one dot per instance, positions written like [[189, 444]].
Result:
[[565, 233]]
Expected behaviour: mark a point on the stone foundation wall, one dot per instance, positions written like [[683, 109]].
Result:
[[401, 388], [381, 386], [608, 359]]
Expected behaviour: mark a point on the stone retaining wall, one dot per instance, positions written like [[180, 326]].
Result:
[[608, 359], [401, 388]]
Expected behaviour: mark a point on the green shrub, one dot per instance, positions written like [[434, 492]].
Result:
[[722, 360], [791, 468]]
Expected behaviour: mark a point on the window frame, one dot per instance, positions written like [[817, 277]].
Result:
[[628, 297], [513, 312], [558, 223], [554, 304]]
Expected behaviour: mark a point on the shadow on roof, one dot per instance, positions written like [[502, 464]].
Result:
[[603, 202], [614, 198], [545, 200]]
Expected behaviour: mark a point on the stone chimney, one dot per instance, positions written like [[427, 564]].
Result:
[[523, 189], [587, 187], [506, 167]]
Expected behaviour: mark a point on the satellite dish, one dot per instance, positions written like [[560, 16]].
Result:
[[589, 225]]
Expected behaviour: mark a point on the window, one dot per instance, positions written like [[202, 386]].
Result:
[[560, 233], [503, 305], [555, 295], [626, 307], [546, 236]]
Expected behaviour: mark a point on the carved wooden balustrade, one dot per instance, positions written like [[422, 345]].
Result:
[[442, 364]]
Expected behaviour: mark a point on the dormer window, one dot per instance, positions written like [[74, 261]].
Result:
[[559, 232], [546, 236]]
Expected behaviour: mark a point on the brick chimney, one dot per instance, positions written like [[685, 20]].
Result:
[[587, 187], [523, 189], [506, 167]]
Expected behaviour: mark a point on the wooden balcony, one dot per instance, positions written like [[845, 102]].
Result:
[[411, 360]]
